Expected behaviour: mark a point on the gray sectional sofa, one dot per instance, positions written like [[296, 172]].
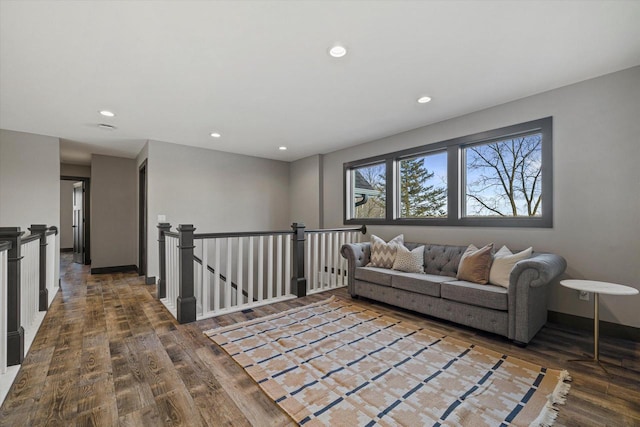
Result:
[[517, 312]]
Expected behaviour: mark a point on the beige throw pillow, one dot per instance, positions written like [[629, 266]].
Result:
[[503, 262], [475, 264], [409, 261], [383, 254]]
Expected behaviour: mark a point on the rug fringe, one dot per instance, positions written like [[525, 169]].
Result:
[[549, 414]]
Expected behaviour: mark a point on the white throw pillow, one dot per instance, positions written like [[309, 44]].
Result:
[[503, 262], [383, 254], [409, 261]]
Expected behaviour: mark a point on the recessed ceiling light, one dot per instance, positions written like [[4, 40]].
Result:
[[215, 135], [423, 99], [282, 148], [338, 51], [106, 126], [107, 113]]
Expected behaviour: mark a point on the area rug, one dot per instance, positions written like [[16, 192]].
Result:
[[337, 363]]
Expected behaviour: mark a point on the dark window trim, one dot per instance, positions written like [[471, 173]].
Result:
[[455, 180]]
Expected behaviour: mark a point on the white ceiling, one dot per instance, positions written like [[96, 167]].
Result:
[[258, 71]]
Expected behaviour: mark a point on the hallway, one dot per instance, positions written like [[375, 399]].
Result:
[[108, 353]]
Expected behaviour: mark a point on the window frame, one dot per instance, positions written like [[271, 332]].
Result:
[[456, 170]]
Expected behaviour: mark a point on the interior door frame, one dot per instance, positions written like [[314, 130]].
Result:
[[142, 219], [86, 206]]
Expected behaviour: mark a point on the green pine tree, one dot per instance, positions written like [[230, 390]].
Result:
[[417, 199]]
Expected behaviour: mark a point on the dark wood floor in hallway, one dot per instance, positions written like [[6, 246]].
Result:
[[108, 353]]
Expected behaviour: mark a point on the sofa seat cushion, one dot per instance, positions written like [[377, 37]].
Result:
[[488, 296], [427, 284], [379, 276]]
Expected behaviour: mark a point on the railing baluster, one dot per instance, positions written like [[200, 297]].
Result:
[[270, 268], [316, 260], [206, 291], [308, 267], [227, 283], [250, 272], [216, 277], [341, 261], [261, 268], [239, 282], [321, 272], [287, 266], [279, 284], [329, 265]]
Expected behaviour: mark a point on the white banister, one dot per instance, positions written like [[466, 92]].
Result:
[[327, 268], [172, 266]]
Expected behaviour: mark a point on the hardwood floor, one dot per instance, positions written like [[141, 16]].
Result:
[[109, 354]]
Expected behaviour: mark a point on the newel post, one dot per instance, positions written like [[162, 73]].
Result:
[[298, 281], [186, 303], [41, 230], [15, 332], [161, 287]]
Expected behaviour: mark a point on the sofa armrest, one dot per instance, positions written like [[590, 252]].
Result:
[[528, 284], [357, 255]]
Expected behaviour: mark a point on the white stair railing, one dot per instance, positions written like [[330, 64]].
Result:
[[218, 273], [237, 271], [324, 267], [172, 253], [30, 285]]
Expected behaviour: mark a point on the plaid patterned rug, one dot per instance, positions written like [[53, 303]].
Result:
[[337, 363]]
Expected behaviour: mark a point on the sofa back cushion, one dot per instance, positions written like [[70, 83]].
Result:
[[441, 260]]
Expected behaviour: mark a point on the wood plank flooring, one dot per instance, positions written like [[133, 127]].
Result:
[[109, 354]]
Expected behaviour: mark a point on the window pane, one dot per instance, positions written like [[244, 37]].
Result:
[[504, 178], [368, 191], [423, 186]]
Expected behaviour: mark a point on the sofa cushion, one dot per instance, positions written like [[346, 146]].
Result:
[[427, 284], [489, 296], [475, 264], [503, 262], [409, 261], [382, 253], [380, 276]]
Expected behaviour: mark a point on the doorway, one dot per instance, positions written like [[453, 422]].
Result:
[[142, 219], [80, 231], [78, 223]]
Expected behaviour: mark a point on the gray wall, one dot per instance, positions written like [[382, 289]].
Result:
[[596, 124], [66, 214], [113, 212], [29, 181], [83, 171], [305, 176], [214, 191]]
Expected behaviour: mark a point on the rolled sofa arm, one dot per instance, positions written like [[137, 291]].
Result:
[[357, 255], [528, 294], [548, 267]]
